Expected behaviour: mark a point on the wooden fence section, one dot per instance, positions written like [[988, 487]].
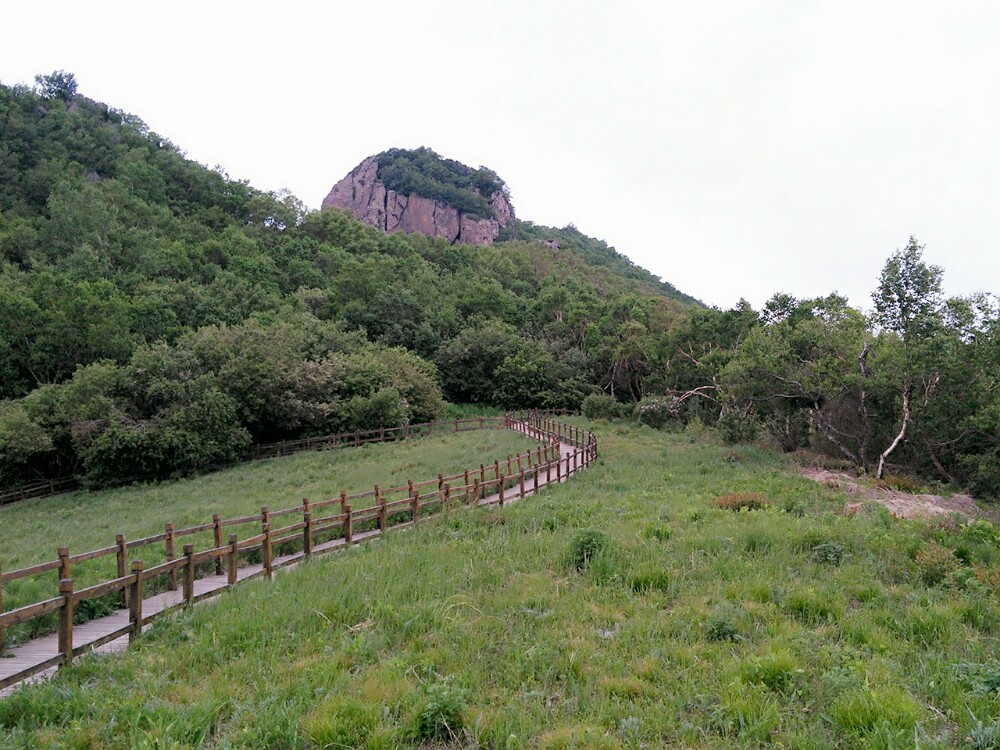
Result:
[[43, 488], [49, 487], [284, 537]]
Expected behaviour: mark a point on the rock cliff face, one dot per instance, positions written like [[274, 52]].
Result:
[[363, 194]]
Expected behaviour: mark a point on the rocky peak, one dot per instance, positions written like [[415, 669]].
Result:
[[363, 193]]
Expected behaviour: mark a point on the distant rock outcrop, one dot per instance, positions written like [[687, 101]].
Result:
[[367, 198]]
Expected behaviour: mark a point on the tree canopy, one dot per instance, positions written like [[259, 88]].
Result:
[[423, 172]]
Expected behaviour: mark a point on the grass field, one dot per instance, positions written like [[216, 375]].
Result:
[[31, 531], [625, 609]]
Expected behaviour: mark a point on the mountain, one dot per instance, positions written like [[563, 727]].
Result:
[[418, 191]]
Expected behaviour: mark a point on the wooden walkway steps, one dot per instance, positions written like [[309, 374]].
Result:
[[38, 659]]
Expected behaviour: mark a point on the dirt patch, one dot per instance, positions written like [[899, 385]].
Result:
[[901, 504]]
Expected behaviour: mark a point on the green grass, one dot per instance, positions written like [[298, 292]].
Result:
[[31, 531], [692, 626]]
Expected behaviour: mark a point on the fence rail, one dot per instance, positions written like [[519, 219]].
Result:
[[49, 487], [277, 546]]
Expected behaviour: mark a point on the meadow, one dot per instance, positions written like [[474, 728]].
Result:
[[636, 606], [31, 531]]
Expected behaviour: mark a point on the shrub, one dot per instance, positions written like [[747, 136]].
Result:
[[981, 531], [586, 545], [658, 411], [980, 679], [775, 670], [829, 553], [440, 715], [934, 563], [720, 627], [738, 427], [737, 501], [603, 406], [793, 507]]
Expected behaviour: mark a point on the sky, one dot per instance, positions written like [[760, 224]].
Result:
[[735, 149]]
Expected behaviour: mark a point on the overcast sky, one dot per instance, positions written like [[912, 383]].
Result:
[[736, 149]]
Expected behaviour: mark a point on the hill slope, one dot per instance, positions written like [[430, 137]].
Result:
[[159, 317], [790, 626]]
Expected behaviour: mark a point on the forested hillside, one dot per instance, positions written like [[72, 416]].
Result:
[[159, 317]]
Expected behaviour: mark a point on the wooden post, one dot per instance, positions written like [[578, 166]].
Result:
[[63, 553], [466, 486], [135, 601], [171, 544], [233, 551], [496, 469], [576, 455], [348, 526], [447, 496], [189, 575], [122, 555], [521, 479], [559, 470], [548, 471], [440, 482], [409, 487], [415, 506], [534, 479], [267, 550], [519, 467], [307, 532], [482, 474], [503, 481], [456, 424], [475, 492], [66, 620], [217, 534], [509, 470], [382, 514], [2, 631]]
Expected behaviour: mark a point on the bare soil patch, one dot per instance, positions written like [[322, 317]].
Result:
[[900, 504]]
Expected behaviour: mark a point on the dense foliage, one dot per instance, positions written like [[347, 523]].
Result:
[[423, 172], [159, 317], [596, 253], [914, 383]]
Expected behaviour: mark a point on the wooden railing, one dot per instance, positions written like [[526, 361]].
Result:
[[42, 488], [323, 525], [49, 487]]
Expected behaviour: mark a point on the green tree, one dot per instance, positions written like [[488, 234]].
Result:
[[908, 306], [57, 85]]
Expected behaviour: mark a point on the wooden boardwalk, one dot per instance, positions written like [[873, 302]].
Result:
[[38, 659]]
